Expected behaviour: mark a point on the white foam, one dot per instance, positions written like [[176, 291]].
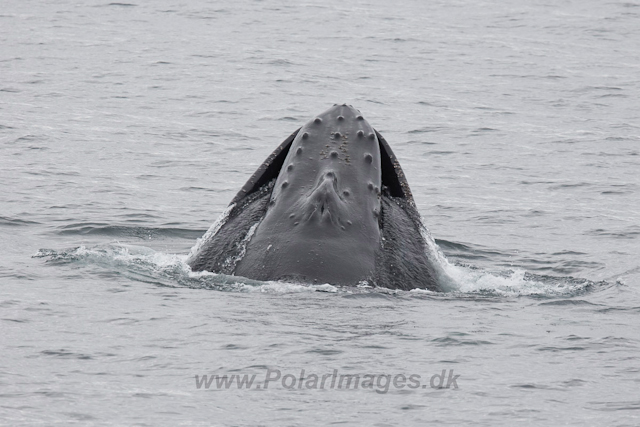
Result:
[[513, 282], [457, 279], [212, 231], [231, 262], [441, 263]]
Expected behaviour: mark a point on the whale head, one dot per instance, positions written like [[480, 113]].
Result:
[[322, 219], [329, 183], [330, 204]]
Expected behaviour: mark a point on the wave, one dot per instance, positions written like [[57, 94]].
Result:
[[121, 231], [146, 265], [15, 222]]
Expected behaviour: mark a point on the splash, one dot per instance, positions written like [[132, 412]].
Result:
[[441, 264], [465, 279], [143, 264], [231, 262], [511, 283], [212, 231]]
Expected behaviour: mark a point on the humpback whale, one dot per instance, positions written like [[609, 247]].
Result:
[[331, 204]]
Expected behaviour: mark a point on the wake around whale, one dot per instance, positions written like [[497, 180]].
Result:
[[330, 205]]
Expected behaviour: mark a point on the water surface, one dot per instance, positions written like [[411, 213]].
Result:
[[126, 129]]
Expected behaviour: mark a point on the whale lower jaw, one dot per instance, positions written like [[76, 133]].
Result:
[[319, 259]]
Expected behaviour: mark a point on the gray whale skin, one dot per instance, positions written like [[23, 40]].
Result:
[[330, 205]]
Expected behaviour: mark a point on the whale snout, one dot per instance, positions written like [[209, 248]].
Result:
[[325, 177]]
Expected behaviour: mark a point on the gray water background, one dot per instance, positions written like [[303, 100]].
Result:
[[126, 128]]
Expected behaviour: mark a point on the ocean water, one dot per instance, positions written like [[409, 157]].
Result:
[[126, 129]]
